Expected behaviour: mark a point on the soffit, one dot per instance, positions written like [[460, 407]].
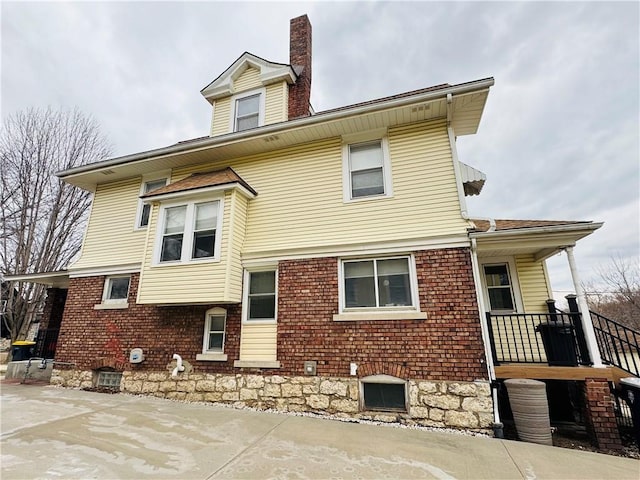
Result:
[[542, 241], [393, 111]]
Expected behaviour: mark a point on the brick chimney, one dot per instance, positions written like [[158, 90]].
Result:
[[300, 59]]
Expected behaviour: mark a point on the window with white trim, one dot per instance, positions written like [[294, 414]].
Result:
[[367, 170], [499, 288], [378, 283], [248, 110], [261, 296], [214, 331], [144, 209], [189, 232], [116, 289]]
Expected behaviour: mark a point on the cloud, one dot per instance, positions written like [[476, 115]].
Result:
[[559, 136]]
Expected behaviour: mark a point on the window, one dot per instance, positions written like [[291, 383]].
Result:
[[247, 112], [499, 287], [261, 296], [109, 380], [189, 232], [383, 393], [378, 283], [116, 289], [367, 171], [144, 209], [215, 325]]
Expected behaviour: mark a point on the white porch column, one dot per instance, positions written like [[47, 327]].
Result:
[[587, 324]]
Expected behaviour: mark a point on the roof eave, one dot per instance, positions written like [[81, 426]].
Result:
[[267, 130]]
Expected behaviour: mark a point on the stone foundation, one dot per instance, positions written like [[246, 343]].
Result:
[[463, 405]]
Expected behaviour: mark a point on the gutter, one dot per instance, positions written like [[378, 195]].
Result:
[[536, 230], [268, 130]]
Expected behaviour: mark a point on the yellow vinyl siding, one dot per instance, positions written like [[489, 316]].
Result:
[[221, 117], [300, 194], [533, 284], [235, 241], [248, 80], [190, 282], [111, 227], [276, 103], [258, 342]]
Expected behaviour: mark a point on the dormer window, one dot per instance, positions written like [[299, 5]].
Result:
[[248, 110]]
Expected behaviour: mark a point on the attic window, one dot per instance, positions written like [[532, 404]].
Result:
[[247, 113], [248, 110]]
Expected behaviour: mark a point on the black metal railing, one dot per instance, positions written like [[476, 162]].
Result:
[[619, 345], [46, 342], [554, 338]]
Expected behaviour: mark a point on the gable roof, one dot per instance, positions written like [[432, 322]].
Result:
[[217, 178], [270, 72]]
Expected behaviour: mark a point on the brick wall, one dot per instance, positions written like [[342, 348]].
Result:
[[88, 334], [445, 346], [600, 416]]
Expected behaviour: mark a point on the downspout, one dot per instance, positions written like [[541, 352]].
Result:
[[475, 266], [587, 323]]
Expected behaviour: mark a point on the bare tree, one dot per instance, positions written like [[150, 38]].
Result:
[[41, 216], [617, 293]]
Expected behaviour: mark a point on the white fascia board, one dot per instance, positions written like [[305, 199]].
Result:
[[582, 228], [269, 73], [276, 128], [55, 279], [105, 271]]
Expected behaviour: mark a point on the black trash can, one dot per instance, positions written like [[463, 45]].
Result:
[[631, 394], [22, 350], [559, 342]]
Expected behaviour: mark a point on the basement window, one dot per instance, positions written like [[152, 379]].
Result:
[[109, 380], [383, 393]]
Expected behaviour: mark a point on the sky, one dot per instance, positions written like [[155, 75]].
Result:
[[559, 138]]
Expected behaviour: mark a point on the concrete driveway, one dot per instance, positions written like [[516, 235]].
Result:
[[49, 432]]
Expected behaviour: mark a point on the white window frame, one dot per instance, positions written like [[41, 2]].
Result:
[[207, 354], [189, 226], [107, 290], [359, 139], [250, 93], [413, 282], [513, 278], [166, 175], [245, 296]]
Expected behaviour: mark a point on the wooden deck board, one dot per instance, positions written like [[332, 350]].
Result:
[[545, 372]]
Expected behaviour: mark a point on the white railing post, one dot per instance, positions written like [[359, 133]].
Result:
[[587, 324]]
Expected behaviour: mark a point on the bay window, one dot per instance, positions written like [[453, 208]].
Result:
[[189, 232]]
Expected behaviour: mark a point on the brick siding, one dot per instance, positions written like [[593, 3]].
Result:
[[445, 346]]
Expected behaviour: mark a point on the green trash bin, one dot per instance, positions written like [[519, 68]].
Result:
[[22, 350]]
